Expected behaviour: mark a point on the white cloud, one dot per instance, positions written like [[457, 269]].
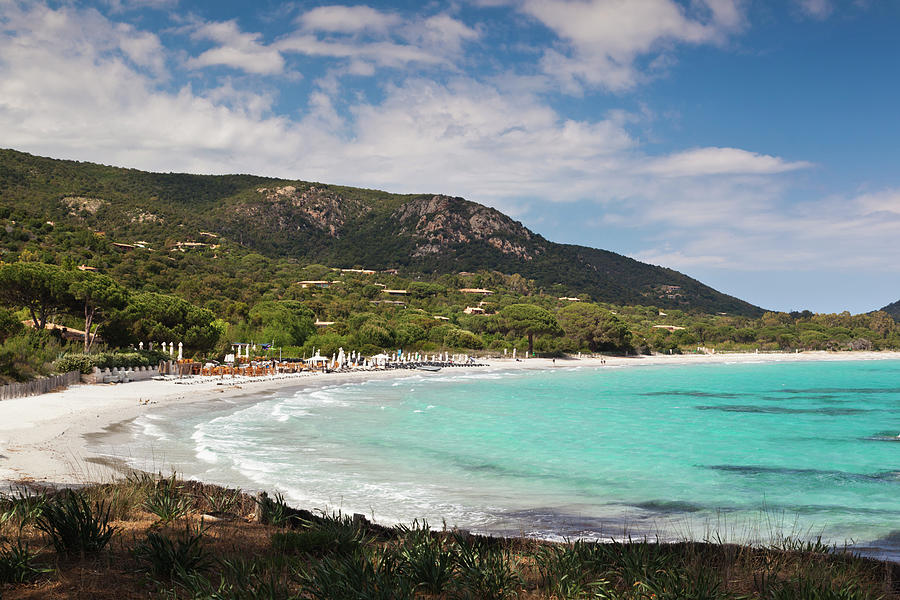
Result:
[[118, 6], [59, 33], [817, 9], [604, 37], [443, 31], [389, 40], [386, 54], [734, 227], [479, 143], [255, 104], [67, 90], [347, 19], [884, 201], [236, 49], [720, 161]]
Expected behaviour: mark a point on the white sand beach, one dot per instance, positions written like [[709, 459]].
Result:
[[43, 438]]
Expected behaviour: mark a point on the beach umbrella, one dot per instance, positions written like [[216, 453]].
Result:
[[379, 359], [316, 360], [179, 350]]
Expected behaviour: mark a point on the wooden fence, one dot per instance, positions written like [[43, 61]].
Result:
[[39, 386]]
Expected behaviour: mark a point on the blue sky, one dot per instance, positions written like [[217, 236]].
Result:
[[750, 144]]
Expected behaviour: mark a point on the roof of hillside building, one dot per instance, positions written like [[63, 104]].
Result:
[[363, 271], [316, 282]]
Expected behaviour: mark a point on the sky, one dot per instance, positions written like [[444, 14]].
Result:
[[751, 144]]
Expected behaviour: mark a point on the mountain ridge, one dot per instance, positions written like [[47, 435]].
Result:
[[336, 225], [892, 309]]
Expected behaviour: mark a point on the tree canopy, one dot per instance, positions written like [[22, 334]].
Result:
[[595, 328], [528, 320], [40, 288], [98, 295], [152, 317], [284, 323]]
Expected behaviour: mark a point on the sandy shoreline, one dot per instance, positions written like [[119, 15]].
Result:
[[45, 438]]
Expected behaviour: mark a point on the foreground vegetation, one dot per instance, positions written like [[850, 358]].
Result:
[[164, 538]]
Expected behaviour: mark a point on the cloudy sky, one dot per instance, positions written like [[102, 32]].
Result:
[[752, 144]]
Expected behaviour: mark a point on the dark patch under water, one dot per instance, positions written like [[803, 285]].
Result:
[[479, 465], [693, 394], [834, 509], [753, 470], [669, 506], [783, 410], [833, 390]]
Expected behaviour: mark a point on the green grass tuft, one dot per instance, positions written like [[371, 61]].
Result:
[[73, 525], [17, 564], [166, 558], [167, 501]]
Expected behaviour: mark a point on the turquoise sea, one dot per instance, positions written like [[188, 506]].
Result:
[[736, 452]]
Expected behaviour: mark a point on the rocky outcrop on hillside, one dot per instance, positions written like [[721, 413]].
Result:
[[321, 208], [441, 221], [77, 204]]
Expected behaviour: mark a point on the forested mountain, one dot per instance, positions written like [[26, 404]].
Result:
[[319, 223], [893, 309]]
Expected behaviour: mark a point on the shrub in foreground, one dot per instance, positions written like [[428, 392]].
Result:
[[17, 564], [73, 525], [167, 501], [166, 558]]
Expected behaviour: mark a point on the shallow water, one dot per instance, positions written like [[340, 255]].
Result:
[[742, 452]]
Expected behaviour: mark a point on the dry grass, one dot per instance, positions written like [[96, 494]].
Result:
[[322, 557]]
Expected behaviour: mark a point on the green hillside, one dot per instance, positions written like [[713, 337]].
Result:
[[307, 223], [893, 309]]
